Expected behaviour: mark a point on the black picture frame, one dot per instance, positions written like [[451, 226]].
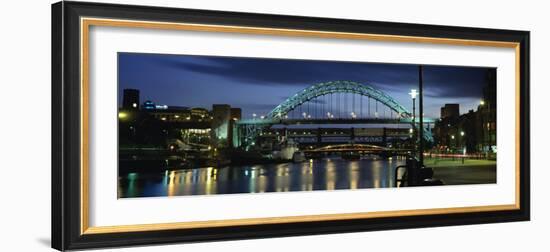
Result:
[[66, 126]]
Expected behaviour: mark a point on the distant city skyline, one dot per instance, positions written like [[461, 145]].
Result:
[[257, 85]]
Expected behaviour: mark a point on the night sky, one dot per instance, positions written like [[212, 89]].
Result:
[[257, 85]]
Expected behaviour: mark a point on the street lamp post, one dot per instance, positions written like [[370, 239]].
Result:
[[415, 166], [413, 169], [413, 94], [481, 111], [462, 145], [452, 143]]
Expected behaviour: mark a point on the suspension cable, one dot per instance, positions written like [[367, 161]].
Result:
[[361, 105]]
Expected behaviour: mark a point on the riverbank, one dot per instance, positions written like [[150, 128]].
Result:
[[457, 162], [464, 175]]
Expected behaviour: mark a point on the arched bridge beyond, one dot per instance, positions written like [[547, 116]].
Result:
[[279, 114], [333, 87]]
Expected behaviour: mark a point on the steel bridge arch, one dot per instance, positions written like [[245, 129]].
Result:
[[331, 87], [252, 129]]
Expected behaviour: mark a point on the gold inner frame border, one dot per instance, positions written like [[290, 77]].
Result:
[[86, 23]]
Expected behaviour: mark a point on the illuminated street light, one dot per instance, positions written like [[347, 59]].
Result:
[[462, 133], [122, 115], [482, 102], [254, 115], [413, 93], [452, 136]]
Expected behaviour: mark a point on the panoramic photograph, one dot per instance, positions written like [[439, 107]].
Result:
[[210, 125]]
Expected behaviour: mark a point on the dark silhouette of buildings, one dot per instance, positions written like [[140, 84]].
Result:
[[450, 110], [221, 116], [151, 124], [445, 128], [472, 132], [224, 118], [487, 115], [199, 113], [236, 114]]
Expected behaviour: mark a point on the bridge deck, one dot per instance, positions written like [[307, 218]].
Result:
[[330, 121]]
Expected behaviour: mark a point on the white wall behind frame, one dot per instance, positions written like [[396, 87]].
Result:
[[24, 82]]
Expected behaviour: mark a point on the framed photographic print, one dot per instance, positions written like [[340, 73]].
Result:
[[179, 125]]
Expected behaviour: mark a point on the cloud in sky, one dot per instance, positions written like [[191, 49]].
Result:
[[190, 80]]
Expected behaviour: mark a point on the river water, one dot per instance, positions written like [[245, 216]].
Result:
[[322, 174]]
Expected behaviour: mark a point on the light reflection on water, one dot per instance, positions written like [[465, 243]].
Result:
[[325, 174]]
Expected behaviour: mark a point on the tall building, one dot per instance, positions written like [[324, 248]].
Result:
[[446, 127], [130, 99], [450, 110], [487, 114], [221, 117], [236, 114]]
